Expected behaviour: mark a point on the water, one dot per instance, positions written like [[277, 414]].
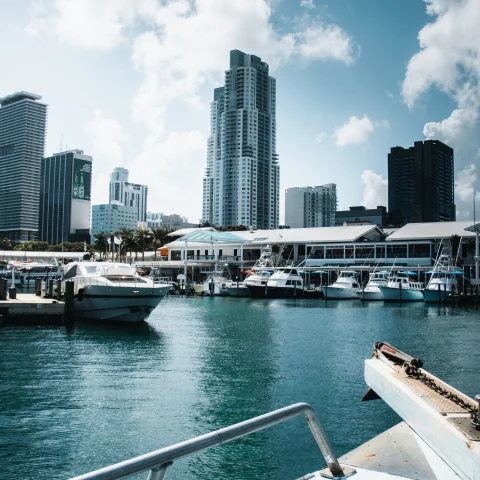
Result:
[[77, 399]]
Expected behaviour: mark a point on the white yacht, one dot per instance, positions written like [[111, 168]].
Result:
[[400, 288], [286, 282], [24, 274], [259, 275], [372, 289], [112, 291], [344, 287], [216, 283], [442, 282]]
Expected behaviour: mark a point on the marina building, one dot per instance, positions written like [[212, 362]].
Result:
[[361, 246], [23, 121], [241, 183], [375, 216], [65, 198], [421, 183], [129, 194], [307, 207], [111, 217]]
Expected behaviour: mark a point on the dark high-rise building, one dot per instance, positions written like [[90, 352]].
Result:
[[421, 183], [241, 185], [23, 122], [65, 198]]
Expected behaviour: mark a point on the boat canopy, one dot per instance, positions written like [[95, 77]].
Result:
[[202, 236], [408, 272]]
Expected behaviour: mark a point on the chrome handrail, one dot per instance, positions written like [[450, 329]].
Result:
[[159, 460]]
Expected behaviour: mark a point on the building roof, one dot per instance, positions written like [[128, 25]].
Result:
[[431, 230], [212, 236], [302, 235], [19, 96], [186, 231]]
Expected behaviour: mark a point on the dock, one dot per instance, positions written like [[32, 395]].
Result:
[[30, 308]]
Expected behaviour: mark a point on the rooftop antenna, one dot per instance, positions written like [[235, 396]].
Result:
[[61, 141]]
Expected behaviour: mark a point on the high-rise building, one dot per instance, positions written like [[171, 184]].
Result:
[[65, 198], [109, 218], [241, 184], [129, 194], [360, 215], [421, 183], [307, 207], [23, 122]]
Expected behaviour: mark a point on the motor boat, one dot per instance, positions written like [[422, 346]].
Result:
[[372, 289], [112, 291], [437, 438], [24, 274], [258, 275], [216, 283], [442, 281], [286, 282], [345, 286], [401, 288]]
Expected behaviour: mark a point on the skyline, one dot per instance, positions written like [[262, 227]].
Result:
[[133, 90]]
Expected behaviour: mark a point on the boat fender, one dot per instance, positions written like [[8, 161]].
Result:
[[80, 294]]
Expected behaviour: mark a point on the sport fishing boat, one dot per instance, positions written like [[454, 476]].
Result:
[[372, 289], [258, 275], [216, 283], [344, 287], [112, 291], [437, 439], [401, 288], [286, 282], [442, 281]]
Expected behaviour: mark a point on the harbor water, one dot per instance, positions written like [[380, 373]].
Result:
[[79, 398]]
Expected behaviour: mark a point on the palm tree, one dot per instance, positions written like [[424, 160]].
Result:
[[128, 240], [144, 239], [101, 242], [160, 237]]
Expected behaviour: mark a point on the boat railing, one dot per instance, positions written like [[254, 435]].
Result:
[[159, 461]]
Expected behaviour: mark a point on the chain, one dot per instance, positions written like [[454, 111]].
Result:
[[413, 371]]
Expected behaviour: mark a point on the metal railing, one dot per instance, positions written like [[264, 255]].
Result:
[[159, 461]]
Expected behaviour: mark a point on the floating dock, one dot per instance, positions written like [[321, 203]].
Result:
[[32, 309]]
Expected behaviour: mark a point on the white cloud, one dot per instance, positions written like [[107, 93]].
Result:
[[307, 4], [465, 183], [92, 24], [106, 139], [179, 46], [452, 128], [375, 190], [356, 130], [320, 137]]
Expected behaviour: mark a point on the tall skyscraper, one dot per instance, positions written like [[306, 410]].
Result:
[[65, 193], [23, 122], [129, 194], [421, 183], [311, 206], [241, 184]]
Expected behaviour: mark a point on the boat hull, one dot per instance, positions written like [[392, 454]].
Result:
[[391, 294], [435, 296], [370, 295], [119, 304], [339, 293], [238, 291], [275, 292]]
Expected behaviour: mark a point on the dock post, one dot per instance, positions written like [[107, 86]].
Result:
[[400, 288], [59, 290], [50, 288], [439, 294], [69, 298], [38, 287], [3, 289]]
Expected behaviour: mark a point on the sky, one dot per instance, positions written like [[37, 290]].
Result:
[[130, 83]]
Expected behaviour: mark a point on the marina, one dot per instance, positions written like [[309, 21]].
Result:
[[107, 392]]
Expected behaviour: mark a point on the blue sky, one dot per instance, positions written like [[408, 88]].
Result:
[[130, 81]]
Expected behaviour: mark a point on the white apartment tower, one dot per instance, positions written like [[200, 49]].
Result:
[[241, 183], [128, 194], [307, 207]]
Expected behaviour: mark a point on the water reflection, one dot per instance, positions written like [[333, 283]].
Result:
[[238, 377]]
